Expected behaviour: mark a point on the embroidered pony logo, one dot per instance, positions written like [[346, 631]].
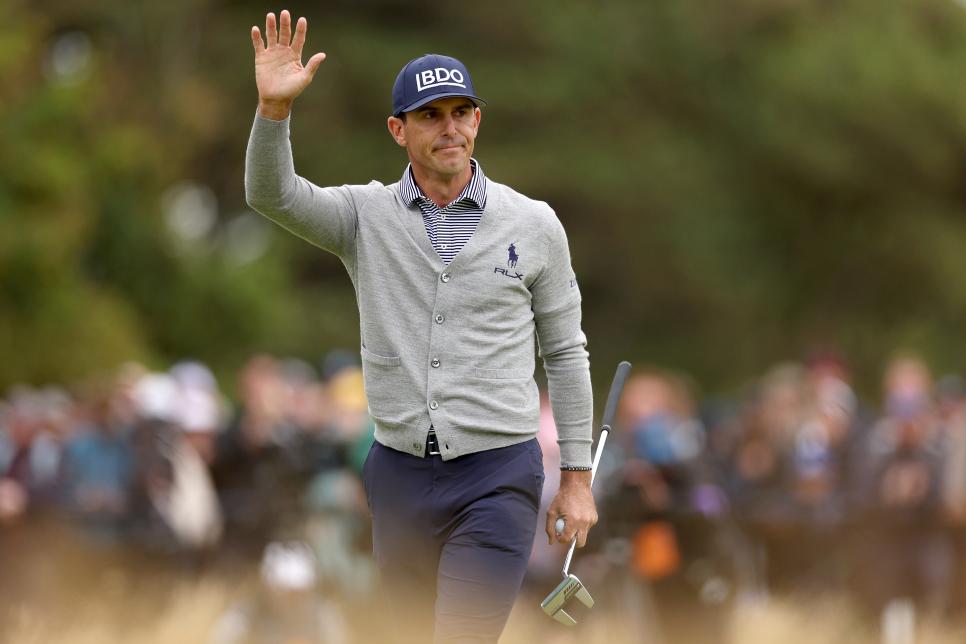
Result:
[[511, 261], [513, 257]]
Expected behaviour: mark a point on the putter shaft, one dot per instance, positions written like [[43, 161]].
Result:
[[571, 587]]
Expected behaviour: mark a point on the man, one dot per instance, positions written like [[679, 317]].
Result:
[[455, 276]]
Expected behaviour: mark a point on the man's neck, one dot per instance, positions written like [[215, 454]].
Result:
[[442, 189]]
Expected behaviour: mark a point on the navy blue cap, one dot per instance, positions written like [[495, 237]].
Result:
[[429, 77]]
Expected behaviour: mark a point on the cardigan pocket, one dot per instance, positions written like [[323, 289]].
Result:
[[390, 391], [385, 361]]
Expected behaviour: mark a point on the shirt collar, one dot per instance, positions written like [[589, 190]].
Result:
[[475, 190]]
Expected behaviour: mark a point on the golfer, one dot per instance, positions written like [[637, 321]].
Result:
[[457, 277]]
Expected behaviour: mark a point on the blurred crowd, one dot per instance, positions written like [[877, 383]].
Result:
[[794, 485], [158, 472]]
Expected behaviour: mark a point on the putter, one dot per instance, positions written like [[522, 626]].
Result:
[[571, 587]]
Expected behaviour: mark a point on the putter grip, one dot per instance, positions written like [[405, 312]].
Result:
[[616, 387]]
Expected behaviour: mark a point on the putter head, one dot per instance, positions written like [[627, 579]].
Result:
[[555, 602]]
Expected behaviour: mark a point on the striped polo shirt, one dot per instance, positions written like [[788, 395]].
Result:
[[450, 227]]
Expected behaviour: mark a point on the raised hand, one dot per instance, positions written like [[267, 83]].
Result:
[[279, 73]]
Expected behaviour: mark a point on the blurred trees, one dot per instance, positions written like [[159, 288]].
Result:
[[740, 181]]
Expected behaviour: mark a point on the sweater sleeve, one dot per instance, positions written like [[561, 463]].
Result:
[[556, 309], [325, 217]]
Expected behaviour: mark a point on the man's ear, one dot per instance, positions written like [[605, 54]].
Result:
[[397, 128]]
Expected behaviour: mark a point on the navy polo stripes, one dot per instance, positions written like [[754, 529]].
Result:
[[449, 228]]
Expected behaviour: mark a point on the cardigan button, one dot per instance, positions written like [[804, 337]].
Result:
[[433, 404], [435, 363], [444, 277]]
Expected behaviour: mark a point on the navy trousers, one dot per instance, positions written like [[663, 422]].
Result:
[[452, 539]]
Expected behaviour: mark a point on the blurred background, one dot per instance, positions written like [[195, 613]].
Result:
[[766, 207]]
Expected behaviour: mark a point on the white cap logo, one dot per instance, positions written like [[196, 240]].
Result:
[[437, 77]]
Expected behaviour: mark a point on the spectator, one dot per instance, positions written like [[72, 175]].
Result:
[[181, 493], [98, 467], [911, 548], [30, 454], [200, 409], [258, 468]]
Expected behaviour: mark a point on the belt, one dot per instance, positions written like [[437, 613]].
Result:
[[432, 444]]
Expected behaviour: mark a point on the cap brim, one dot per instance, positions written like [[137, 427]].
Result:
[[415, 105]]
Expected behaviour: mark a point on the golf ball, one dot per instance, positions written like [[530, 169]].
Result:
[[559, 526]]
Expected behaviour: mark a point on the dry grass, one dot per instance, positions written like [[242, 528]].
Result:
[[827, 621], [186, 616], [818, 622], [188, 611]]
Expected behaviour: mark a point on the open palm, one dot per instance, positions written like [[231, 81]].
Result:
[[279, 73]]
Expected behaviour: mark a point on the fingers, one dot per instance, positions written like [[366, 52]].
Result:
[[299, 39], [568, 535], [578, 534], [271, 34], [568, 529], [257, 41], [560, 530], [285, 28], [571, 529], [282, 35]]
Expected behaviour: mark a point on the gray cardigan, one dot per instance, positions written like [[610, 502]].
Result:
[[448, 346]]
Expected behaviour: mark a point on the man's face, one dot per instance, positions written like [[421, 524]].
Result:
[[439, 136]]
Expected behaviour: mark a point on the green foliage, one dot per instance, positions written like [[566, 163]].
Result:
[[740, 181]]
